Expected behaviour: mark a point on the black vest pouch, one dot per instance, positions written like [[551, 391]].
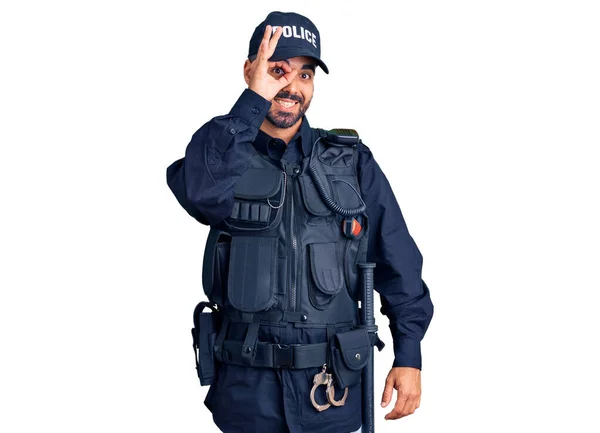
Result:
[[258, 200], [326, 277], [252, 275], [350, 352], [311, 198], [216, 265], [206, 327]]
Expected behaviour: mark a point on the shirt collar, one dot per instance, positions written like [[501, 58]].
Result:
[[304, 134]]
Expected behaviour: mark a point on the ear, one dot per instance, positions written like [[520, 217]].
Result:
[[247, 65]]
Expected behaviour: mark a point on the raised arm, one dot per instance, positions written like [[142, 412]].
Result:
[[219, 152], [216, 157]]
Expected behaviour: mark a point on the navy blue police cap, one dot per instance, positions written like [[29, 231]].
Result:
[[300, 37]]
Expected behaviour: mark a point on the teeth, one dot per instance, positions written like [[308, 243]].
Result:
[[285, 104]]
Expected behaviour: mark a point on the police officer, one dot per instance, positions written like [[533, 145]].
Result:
[[292, 211]]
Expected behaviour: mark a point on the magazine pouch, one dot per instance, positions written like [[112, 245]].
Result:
[[204, 333]]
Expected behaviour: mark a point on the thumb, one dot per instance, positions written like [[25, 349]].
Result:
[[387, 394]]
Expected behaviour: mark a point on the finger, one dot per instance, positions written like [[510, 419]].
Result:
[[266, 34], [412, 403], [264, 44], [398, 408], [287, 78], [409, 407], [273, 41], [387, 394], [414, 406]]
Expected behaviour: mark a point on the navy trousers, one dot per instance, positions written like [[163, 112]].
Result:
[[257, 400]]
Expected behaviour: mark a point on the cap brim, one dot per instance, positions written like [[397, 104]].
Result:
[[289, 52]]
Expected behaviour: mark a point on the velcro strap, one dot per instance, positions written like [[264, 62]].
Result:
[[294, 356]]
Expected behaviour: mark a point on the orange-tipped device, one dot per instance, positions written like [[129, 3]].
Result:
[[351, 227]]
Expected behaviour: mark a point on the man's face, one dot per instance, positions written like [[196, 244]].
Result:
[[290, 104]]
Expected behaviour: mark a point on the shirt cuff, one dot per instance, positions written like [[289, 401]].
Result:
[[251, 108], [407, 353]]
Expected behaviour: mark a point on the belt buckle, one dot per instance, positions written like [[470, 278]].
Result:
[[283, 355]]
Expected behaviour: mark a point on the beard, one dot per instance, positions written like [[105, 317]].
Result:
[[284, 119]]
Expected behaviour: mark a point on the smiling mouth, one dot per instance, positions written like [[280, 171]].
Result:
[[285, 103]]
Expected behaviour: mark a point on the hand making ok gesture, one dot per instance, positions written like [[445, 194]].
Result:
[[258, 78]]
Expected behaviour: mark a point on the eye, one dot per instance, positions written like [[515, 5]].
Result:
[[306, 75], [278, 71]]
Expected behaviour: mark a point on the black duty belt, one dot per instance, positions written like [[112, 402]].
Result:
[[293, 356]]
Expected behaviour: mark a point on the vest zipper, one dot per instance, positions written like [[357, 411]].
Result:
[[293, 298], [294, 248]]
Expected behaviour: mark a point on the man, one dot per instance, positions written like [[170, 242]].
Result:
[[293, 211]]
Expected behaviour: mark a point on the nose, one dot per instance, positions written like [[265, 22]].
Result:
[[292, 87]]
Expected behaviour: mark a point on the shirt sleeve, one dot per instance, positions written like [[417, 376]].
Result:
[[405, 297], [216, 157]]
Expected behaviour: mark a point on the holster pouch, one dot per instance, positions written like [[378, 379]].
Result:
[[204, 333], [350, 352]]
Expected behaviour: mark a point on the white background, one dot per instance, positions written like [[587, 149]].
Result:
[[484, 116]]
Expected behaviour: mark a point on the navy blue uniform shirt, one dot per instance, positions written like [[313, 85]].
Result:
[[203, 183]]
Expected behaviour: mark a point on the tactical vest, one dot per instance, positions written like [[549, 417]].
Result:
[[288, 252]]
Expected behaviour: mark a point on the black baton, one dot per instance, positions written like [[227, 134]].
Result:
[[368, 322]]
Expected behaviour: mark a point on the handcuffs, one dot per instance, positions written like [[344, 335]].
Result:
[[324, 378]]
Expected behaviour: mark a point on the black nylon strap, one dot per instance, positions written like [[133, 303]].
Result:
[[249, 346], [221, 354], [293, 356], [330, 335], [269, 316], [330, 332]]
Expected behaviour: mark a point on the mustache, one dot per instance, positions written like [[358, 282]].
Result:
[[286, 95]]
